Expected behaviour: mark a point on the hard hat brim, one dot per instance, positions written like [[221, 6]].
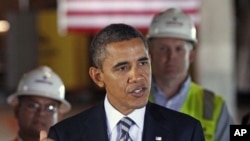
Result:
[[13, 100], [172, 35]]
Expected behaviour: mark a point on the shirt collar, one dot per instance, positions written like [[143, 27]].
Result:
[[176, 101], [114, 116], [182, 91]]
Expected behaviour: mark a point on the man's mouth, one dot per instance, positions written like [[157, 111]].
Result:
[[138, 91]]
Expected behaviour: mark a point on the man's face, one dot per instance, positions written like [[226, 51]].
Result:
[[36, 113], [170, 58], [126, 75]]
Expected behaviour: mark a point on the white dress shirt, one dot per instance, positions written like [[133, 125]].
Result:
[[114, 116]]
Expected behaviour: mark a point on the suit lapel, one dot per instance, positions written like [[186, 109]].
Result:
[[96, 125], [154, 127]]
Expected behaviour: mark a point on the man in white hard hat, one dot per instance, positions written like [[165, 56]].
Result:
[[121, 65], [171, 38], [38, 103]]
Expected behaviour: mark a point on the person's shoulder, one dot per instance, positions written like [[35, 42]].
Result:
[[208, 92], [170, 115], [80, 117]]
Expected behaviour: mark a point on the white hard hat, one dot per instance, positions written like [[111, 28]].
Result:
[[173, 23], [41, 81]]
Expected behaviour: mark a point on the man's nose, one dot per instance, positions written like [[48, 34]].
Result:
[[171, 54], [41, 111], [135, 75]]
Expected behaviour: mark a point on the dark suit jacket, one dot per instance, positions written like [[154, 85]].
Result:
[[90, 125]]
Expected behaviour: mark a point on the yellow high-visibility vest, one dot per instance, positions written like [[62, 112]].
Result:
[[204, 106]]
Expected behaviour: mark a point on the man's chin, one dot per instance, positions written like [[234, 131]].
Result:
[[37, 129], [35, 133], [140, 105]]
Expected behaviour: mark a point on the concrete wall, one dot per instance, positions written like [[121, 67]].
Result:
[[216, 54], [21, 47]]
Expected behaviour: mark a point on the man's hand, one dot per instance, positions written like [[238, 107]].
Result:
[[43, 136]]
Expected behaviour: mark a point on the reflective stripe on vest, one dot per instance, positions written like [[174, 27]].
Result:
[[208, 106], [208, 114]]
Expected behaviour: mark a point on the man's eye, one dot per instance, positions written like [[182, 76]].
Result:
[[122, 68], [143, 63], [163, 48], [179, 48], [51, 108], [33, 105]]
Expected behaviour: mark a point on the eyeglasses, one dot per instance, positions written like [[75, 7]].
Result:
[[37, 107]]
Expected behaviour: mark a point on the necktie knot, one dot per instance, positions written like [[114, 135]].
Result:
[[125, 124]]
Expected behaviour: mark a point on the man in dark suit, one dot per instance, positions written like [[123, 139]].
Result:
[[122, 66]]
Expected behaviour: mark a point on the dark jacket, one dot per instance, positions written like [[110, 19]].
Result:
[[90, 125]]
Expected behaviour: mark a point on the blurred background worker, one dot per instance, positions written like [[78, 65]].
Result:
[[172, 37], [38, 103]]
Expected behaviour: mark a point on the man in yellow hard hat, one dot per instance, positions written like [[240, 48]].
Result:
[[38, 102], [171, 38]]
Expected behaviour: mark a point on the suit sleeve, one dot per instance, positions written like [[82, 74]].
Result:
[[198, 134], [52, 134]]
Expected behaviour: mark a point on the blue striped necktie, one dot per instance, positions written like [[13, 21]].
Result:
[[125, 124]]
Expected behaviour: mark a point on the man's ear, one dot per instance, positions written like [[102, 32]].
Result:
[[96, 76], [16, 110], [192, 55]]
